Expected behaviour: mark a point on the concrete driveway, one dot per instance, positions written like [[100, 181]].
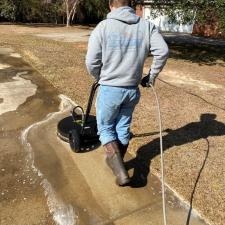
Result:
[[43, 182], [72, 36]]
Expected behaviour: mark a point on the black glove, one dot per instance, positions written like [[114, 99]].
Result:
[[148, 81]]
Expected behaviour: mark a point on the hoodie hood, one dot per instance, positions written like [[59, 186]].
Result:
[[124, 14]]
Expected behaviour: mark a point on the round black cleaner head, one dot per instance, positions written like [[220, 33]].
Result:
[[80, 136], [65, 126]]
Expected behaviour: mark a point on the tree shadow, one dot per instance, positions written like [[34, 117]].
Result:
[[193, 49], [80, 26], [34, 25], [203, 55], [206, 127]]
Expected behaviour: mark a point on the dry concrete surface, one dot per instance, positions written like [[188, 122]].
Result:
[[43, 182]]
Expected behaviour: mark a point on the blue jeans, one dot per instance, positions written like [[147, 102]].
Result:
[[114, 109]]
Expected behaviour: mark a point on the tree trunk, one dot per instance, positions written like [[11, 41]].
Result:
[[70, 13], [67, 15], [68, 21]]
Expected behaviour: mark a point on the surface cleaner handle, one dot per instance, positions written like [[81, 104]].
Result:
[[94, 87]]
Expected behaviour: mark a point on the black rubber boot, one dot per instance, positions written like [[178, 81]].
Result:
[[123, 149], [115, 162]]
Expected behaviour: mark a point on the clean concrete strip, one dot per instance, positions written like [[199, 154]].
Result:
[[129, 205], [62, 214]]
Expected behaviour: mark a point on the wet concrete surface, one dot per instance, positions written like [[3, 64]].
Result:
[[43, 182], [21, 197]]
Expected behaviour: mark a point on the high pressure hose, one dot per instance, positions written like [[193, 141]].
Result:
[[162, 156]]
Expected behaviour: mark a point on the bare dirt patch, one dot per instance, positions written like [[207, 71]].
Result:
[[193, 116]]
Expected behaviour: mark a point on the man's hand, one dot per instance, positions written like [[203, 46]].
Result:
[[148, 81]]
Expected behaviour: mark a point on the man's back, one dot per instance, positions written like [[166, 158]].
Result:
[[117, 50], [123, 42]]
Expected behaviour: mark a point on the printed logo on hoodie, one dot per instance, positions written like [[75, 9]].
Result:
[[117, 41]]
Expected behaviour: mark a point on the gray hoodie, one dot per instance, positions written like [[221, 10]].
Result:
[[119, 45]]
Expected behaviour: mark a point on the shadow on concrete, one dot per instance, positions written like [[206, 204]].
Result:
[[206, 127]]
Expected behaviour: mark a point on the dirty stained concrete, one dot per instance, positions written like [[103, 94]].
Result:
[[43, 182], [21, 196]]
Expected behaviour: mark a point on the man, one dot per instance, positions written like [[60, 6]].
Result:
[[117, 50]]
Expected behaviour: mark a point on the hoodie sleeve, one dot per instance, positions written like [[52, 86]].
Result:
[[159, 50], [94, 53]]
